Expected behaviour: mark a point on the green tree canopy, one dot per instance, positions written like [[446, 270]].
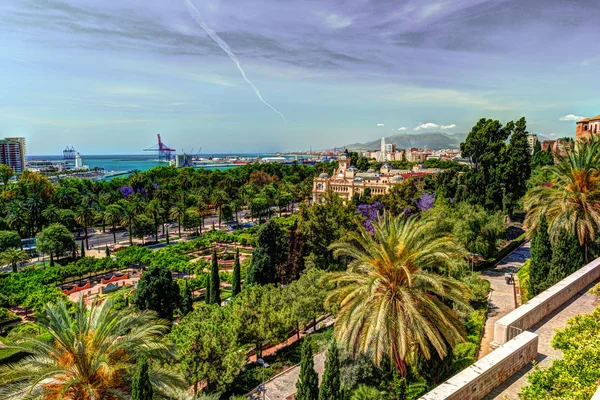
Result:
[[208, 347], [55, 240], [269, 256], [158, 292], [9, 239]]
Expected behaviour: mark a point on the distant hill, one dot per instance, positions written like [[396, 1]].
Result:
[[428, 140]]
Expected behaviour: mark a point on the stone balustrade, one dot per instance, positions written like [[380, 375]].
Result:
[[545, 303], [485, 375]]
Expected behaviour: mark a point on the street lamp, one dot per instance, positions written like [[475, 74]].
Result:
[[262, 388], [473, 255]]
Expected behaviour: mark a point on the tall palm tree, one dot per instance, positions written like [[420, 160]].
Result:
[[92, 355], [572, 200], [155, 209], [17, 216], [13, 257], [127, 216], [392, 303], [35, 202], [178, 212], [218, 198], [51, 214], [113, 216], [84, 216]]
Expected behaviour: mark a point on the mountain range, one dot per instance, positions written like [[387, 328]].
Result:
[[427, 140]]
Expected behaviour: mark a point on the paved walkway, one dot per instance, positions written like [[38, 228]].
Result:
[[582, 303], [502, 300], [282, 387]]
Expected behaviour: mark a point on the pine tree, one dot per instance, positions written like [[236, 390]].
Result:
[[141, 388], [215, 284], [541, 258], [82, 249], [187, 303], [330, 386], [308, 383], [236, 286], [567, 257]]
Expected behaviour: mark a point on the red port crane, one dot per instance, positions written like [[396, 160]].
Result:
[[164, 151]]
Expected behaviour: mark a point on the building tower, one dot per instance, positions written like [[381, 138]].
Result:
[[12, 153], [78, 161]]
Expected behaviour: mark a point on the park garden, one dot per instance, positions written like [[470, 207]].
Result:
[[386, 288]]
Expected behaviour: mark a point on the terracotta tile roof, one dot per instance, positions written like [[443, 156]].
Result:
[[597, 117], [583, 120]]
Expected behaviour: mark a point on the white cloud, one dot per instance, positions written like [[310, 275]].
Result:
[[451, 126], [335, 20], [571, 117], [403, 128], [380, 124], [427, 125]]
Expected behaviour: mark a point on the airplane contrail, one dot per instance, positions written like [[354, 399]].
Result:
[[225, 47]]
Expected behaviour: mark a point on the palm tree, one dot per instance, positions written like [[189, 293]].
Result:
[[36, 203], [201, 206], [17, 216], [178, 212], [392, 303], [572, 200], [92, 354], [127, 216], [218, 198], [84, 216], [113, 215], [51, 214], [13, 257], [155, 209]]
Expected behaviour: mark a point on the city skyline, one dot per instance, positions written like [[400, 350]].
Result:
[[107, 77]]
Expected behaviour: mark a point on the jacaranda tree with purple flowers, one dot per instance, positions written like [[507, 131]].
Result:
[[370, 213], [126, 191], [425, 201]]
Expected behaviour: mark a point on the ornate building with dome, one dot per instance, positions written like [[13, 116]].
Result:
[[349, 181]]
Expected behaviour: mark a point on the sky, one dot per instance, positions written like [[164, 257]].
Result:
[[106, 76]]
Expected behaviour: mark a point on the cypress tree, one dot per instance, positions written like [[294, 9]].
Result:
[[107, 252], [141, 388], [236, 286], [187, 303], [330, 386], [215, 284], [541, 258], [567, 257], [308, 382], [207, 290], [82, 249]]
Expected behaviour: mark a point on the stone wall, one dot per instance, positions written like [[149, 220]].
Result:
[[545, 303], [486, 374]]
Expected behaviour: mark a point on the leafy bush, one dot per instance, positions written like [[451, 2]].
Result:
[[523, 276], [576, 375]]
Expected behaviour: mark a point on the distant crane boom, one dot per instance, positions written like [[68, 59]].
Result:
[[164, 151]]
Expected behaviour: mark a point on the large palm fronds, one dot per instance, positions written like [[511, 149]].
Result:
[[391, 302], [91, 355], [572, 200]]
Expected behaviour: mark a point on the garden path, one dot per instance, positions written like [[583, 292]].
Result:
[[502, 297]]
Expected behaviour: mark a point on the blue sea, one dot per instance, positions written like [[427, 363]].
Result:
[[141, 162]]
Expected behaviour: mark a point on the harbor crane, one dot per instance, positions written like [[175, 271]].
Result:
[[164, 151]]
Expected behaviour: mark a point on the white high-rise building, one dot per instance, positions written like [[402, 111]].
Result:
[[78, 161]]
